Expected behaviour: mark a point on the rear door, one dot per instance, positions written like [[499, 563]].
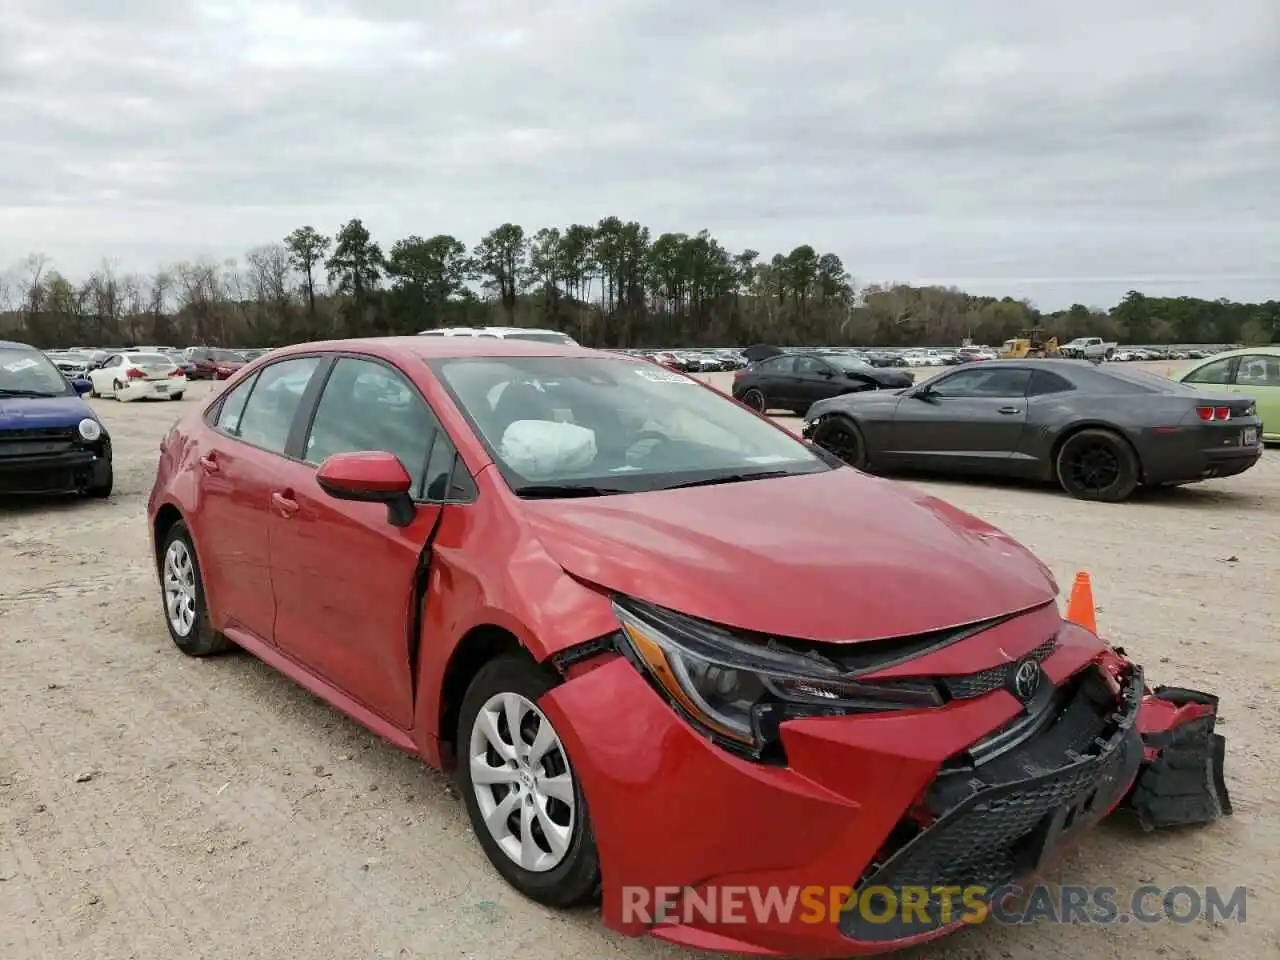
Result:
[[1257, 375], [242, 453], [776, 380], [971, 419]]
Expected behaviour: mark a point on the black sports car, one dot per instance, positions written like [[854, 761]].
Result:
[[795, 381], [1097, 431]]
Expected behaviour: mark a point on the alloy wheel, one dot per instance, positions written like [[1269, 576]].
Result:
[[1095, 468], [754, 399], [522, 781], [179, 588]]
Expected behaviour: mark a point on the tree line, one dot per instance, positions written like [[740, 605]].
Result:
[[612, 284]]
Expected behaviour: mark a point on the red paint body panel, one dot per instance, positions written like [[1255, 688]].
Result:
[[323, 590], [836, 556]]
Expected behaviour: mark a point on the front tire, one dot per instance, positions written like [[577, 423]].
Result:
[[524, 799], [186, 611], [840, 435], [1097, 465]]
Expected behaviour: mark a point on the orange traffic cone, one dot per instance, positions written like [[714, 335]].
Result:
[[1080, 608]]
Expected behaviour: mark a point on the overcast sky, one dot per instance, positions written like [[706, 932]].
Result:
[[1060, 151]]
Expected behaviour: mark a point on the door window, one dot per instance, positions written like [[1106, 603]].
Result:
[[984, 383], [227, 416], [368, 406], [1258, 370], [809, 366], [778, 365], [267, 416], [1043, 382], [1219, 371]]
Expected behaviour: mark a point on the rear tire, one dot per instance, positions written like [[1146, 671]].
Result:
[[186, 610], [839, 435], [116, 387], [754, 398], [573, 878], [1097, 465], [176, 396]]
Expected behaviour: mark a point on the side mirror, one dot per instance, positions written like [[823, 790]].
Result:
[[81, 386], [923, 392], [370, 477], [826, 372]]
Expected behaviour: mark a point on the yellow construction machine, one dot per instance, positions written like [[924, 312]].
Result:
[[1033, 343]]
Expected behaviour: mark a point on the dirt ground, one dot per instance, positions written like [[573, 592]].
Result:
[[153, 806]]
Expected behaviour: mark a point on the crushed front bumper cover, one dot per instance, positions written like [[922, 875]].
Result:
[[1182, 780]]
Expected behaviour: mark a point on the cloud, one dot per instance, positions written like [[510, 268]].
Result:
[[1059, 151]]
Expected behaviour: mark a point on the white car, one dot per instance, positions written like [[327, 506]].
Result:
[[137, 376], [503, 333]]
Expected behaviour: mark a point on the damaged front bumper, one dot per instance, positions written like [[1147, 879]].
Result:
[[889, 801], [1182, 780]]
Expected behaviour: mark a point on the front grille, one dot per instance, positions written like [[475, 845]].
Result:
[[51, 480], [996, 820], [977, 684], [37, 441]]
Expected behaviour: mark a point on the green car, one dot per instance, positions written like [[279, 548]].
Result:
[[1252, 372]]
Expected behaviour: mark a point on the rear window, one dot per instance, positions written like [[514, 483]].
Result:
[[149, 359], [1143, 382]]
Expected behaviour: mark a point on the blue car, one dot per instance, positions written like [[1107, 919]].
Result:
[[51, 442]]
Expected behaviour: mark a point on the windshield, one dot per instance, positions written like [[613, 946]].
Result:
[[29, 373], [556, 425]]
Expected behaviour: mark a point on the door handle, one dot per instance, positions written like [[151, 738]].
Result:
[[209, 463], [285, 505], [1010, 410]]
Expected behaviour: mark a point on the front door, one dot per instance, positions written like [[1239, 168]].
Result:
[[344, 577], [972, 420]]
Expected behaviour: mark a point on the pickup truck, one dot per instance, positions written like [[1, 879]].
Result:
[[1088, 348]]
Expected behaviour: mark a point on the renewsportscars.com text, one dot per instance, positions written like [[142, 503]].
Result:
[[936, 905]]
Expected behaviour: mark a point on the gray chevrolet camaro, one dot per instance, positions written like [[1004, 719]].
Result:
[[1098, 431]]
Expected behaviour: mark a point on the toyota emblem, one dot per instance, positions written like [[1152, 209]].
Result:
[[1026, 679]]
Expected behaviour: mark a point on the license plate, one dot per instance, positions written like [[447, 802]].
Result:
[[1249, 436], [162, 388]]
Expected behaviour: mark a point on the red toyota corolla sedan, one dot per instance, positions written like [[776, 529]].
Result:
[[664, 644]]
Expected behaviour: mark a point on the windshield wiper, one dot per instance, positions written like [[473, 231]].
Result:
[[730, 478], [4, 392], [549, 491]]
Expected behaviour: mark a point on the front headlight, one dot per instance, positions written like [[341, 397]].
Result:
[[90, 429], [740, 691]]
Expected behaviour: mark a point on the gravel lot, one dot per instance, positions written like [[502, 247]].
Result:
[[153, 806]]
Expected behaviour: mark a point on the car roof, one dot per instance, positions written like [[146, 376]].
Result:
[[14, 345], [429, 348], [1267, 349]]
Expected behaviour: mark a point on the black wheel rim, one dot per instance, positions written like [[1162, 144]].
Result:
[[1094, 467], [754, 399], [840, 440]]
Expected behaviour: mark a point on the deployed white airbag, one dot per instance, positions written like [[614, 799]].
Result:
[[539, 449]]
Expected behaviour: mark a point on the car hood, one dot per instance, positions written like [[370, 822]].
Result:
[[837, 556], [861, 400], [18, 413]]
